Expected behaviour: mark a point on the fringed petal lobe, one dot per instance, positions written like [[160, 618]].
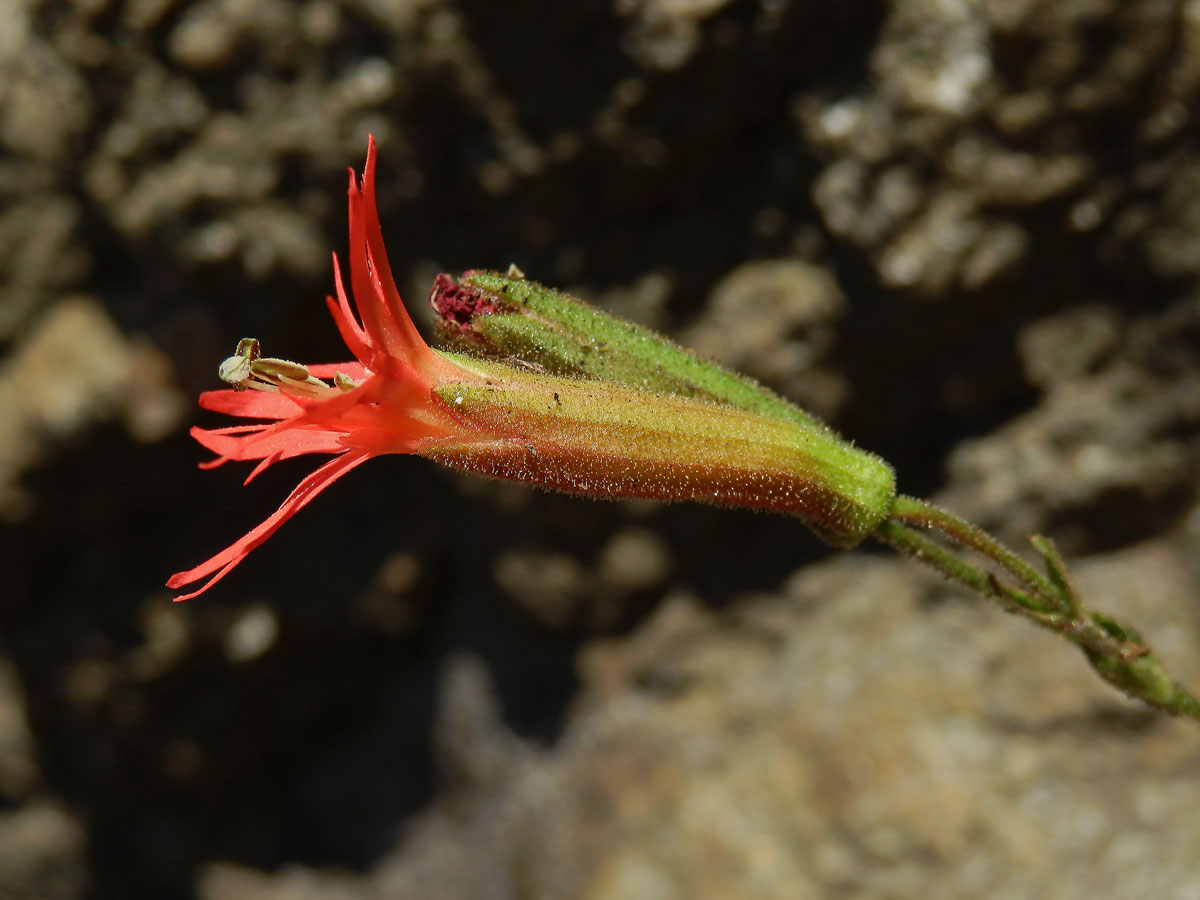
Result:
[[249, 404], [381, 271], [377, 319], [347, 322], [220, 565], [288, 442]]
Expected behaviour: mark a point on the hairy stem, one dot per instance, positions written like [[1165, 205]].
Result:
[[1116, 651], [919, 512], [912, 543]]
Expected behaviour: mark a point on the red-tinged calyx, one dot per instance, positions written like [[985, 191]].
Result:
[[611, 441]]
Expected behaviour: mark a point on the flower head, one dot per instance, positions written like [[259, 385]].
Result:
[[379, 403]]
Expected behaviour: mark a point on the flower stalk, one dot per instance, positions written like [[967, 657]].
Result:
[[1115, 650]]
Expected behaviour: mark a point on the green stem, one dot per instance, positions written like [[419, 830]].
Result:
[[918, 512], [912, 543], [1117, 652]]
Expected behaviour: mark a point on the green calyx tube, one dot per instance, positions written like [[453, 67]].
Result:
[[661, 421], [510, 316]]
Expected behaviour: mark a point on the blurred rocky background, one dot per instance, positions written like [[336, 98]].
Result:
[[967, 232]]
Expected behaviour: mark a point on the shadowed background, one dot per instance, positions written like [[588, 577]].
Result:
[[965, 233]]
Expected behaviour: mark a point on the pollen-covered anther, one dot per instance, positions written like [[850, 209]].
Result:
[[344, 382], [236, 369], [246, 369]]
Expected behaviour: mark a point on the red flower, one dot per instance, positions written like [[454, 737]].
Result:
[[382, 403], [600, 438]]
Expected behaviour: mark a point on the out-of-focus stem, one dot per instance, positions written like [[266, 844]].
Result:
[[1116, 651], [918, 512], [915, 544]]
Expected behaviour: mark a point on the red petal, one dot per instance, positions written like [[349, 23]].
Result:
[[343, 316], [286, 442], [220, 565], [385, 285], [377, 318], [265, 463], [250, 404], [233, 429], [354, 370]]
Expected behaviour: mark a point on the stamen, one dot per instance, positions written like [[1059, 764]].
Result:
[[306, 387], [270, 368], [236, 369], [247, 368], [344, 382]]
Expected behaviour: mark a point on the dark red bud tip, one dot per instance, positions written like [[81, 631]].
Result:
[[457, 303]]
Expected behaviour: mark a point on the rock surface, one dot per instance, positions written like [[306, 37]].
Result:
[[965, 232]]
